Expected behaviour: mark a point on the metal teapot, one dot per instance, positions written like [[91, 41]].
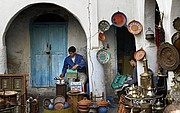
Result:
[[150, 92], [133, 91]]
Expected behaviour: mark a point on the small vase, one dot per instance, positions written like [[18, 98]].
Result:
[[50, 107], [103, 109]]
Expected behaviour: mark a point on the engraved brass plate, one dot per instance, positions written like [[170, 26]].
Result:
[[168, 56]]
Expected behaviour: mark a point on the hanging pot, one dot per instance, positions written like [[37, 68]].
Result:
[[102, 37], [149, 34]]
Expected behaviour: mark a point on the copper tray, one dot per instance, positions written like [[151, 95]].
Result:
[[168, 57], [119, 19], [135, 27]]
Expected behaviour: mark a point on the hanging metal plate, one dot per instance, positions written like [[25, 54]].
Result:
[[103, 25], [168, 56], [135, 27], [119, 19], [176, 24]]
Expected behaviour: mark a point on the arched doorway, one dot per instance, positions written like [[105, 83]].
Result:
[[125, 49], [19, 42], [48, 45]]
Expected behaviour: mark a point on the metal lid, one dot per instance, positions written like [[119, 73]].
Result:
[[168, 56]]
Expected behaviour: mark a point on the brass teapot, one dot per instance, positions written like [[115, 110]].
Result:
[[133, 91]]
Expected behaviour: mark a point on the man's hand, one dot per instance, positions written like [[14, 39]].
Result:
[[125, 82], [75, 67], [61, 75]]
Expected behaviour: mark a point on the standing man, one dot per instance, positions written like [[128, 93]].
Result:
[[134, 81], [75, 62]]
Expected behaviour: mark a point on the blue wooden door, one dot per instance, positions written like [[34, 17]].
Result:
[[48, 50]]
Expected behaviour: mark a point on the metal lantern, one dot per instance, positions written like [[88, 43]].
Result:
[[149, 34]]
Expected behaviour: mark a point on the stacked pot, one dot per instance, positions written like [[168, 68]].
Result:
[[102, 106], [83, 105]]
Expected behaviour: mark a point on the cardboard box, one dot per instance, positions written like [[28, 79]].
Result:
[[76, 86]]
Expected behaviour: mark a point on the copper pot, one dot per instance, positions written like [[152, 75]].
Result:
[[102, 103], [84, 101]]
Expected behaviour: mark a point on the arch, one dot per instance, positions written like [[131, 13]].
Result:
[[29, 5]]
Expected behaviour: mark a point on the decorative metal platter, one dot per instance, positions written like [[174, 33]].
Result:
[[103, 56], [135, 27], [59, 98], [103, 25], [139, 54], [119, 19], [168, 57], [176, 23]]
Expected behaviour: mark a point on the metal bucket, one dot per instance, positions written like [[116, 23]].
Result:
[[10, 97]]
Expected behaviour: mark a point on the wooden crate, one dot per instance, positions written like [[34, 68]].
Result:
[[15, 82]]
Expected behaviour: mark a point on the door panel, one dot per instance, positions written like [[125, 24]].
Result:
[[48, 50], [39, 41], [42, 71], [58, 43]]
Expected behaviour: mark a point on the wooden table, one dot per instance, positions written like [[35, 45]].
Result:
[[76, 97]]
